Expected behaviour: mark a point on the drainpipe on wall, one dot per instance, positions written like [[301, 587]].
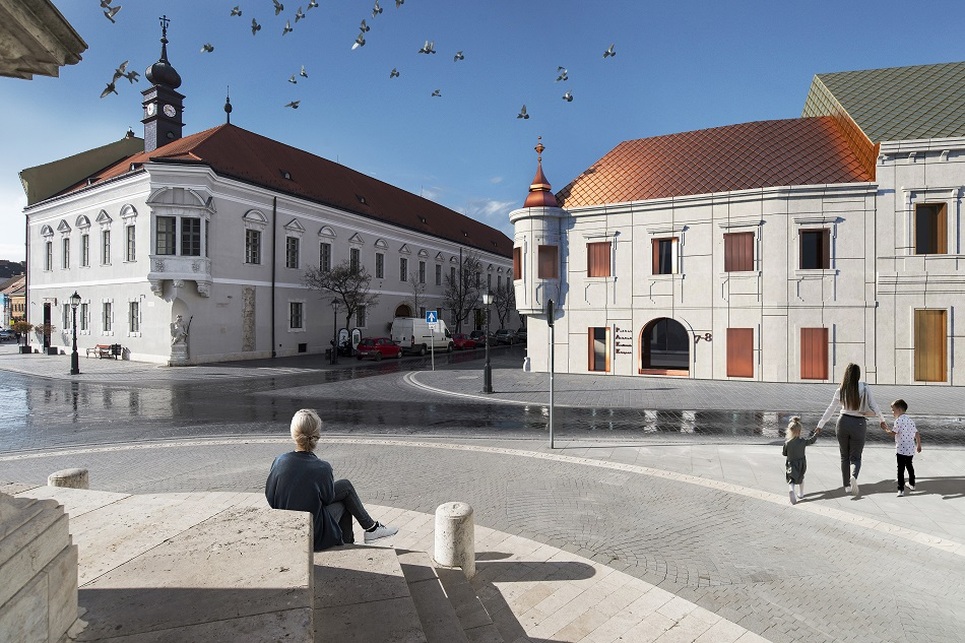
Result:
[[274, 233]]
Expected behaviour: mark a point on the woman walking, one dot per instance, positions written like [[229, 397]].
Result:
[[854, 400]]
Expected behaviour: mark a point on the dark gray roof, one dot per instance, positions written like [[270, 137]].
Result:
[[896, 103]]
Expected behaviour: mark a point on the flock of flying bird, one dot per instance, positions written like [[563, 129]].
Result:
[[427, 48]]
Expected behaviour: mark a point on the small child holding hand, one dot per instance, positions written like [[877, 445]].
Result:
[[797, 464], [907, 443]]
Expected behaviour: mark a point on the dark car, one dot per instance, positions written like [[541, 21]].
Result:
[[479, 336], [521, 334], [505, 336], [462, 341], [377, 348], [7, 335]]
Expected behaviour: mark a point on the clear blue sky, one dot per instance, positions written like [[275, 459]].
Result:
[[682, 65]]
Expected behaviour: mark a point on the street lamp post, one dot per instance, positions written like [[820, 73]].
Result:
[[487, 369], [334, 331], [74, 361]]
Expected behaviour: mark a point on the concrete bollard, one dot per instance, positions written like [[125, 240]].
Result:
[[73, 478], [455, 537]]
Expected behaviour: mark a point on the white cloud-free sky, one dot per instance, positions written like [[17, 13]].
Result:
[[684, 65]]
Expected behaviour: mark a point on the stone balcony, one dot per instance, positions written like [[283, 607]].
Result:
[[179, 269]]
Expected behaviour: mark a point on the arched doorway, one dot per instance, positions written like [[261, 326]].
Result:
[[403, 311], [665, 348]]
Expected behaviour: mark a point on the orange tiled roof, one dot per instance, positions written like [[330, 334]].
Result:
[[797, 151], [231, 151]]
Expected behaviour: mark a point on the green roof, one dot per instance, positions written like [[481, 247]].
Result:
[[896, 103]]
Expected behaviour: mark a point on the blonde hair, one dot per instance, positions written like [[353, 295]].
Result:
[[849, 387], [306, 429], [793, 429]]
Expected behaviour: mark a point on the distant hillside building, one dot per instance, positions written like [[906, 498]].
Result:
[[218, 228], [774, 251]]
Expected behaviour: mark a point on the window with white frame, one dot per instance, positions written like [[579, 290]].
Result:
[[360, 316], [107, 317], [85, 250], [664, 256], [438, 274], [324, 256], [379, 265], [252, 246], [84, 321], [452, 274], [134, 317], [292, 247], [355, 259], [403, 269], [129, 246], [49, 255], [422, 272], [190, 237], [65, 252], [165, 236], [296, 320], [67, 326], [105, 247]]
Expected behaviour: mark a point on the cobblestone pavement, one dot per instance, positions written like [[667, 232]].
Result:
[[705, 517]]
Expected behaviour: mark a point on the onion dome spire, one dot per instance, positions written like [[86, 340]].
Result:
[[161, 72], [227, 105], [540, 190]]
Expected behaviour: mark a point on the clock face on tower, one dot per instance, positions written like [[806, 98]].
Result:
[[170, 111], [151, 108]]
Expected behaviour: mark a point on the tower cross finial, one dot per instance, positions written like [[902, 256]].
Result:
[[539, 149], [165, 21]]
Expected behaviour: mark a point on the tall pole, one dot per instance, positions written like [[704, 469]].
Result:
[[334, 331], [74, 361], [550, 321], [487, 369]]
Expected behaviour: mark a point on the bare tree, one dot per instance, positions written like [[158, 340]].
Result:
[[504, 299], [418, 292], [462, 293], [346, 283]]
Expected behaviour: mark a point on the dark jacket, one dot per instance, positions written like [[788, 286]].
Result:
[[301, 481]]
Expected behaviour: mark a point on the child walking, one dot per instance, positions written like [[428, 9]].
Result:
[[797, 464], [907, 443]]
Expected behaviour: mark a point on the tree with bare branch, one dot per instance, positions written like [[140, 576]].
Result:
[[418, 292], [504, 299], [462, 294], [346, 283]]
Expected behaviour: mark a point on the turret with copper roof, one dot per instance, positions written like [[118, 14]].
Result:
[[540, 191]]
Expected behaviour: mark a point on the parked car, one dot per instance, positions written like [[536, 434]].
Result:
[[521, 334], [7, 335], [377, 348], [479, 336], [505, 336], [463, 341]]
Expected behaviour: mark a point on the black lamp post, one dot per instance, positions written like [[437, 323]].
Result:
[[487, 369], [74, 362], [334, 331]]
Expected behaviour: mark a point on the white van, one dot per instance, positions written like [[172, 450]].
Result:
[[414, 335]]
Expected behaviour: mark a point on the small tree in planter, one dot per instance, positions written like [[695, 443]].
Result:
[[23, 327]]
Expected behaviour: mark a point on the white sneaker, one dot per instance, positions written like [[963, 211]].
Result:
[[855, 490], [910, 487], [380, 531], [847, 489], [901, 492], [792, 497], [800, 491]]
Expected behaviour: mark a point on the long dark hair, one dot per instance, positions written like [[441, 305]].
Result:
[[849, 387]]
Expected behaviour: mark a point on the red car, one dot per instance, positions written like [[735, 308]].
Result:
[[377, 348], [461, 341]]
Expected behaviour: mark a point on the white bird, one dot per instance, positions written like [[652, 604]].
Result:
[[293, 104], [436, 93], [568, 97], [562, 74], [292, 80], [236, 11], [121, 71], [458, 57], [255, 27], [312, 5], [609, 52], [428, 48], [279, 7], [376, 10], [364, 27], [110, 13], [299, 14], [287, 28], [359, 41], [207, 48], [109, 89], [522, 113], [394, 73], [303, 73]]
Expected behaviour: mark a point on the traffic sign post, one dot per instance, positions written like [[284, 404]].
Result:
[[432, 318]]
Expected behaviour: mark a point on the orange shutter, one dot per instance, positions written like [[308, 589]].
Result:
[[814, 353], [740, 352], [931, 341], [598, 259]]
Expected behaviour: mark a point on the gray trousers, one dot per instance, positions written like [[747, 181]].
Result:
[[850, 431], [348, 505]]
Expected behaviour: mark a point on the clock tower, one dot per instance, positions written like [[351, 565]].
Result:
[[162, 103]]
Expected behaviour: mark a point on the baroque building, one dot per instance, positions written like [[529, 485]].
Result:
[[775, 251]]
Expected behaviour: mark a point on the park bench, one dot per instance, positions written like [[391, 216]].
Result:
[[105, 350]]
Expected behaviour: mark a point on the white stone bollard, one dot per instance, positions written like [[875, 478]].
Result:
[[455, 537], [73, 478], [527, 365]]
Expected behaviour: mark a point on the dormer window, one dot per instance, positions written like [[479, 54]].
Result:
[[286, 175], [361, 199]]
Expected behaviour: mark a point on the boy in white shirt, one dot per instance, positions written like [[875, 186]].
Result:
[[907, 443]]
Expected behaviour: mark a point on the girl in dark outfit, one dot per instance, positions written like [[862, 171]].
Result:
[[797, 464]]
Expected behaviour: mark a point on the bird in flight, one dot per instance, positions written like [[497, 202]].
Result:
[[109, 89], [110, 13], [522, 113], [293, 104], [394, 73], [207, 48], [428, 48], [299, 14], [359, 41], [292, 80], [568, 97], [458, 57], [255, 27], [609, 52], [399, 3], [120, 72], [312, 4], [376, 10], [562, 74], [279, 7], [105, 4], [132, 76], [287, 28], [364, 27], [303, 73], [236, 11], [436, 93]]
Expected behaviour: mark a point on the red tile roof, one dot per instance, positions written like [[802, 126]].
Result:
[[797, 151], [231, 151]]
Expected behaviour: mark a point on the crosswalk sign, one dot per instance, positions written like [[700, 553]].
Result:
[[432, 316]]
